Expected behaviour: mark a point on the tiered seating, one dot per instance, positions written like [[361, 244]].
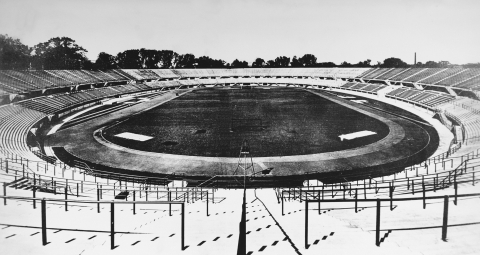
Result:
[[465, 111], [364, 87], [31, 79], [373, 87], [99, 75], [66, 76], [459, 77], [424, 74], [7, 89], [348, 85], [84, 76], [359, 86], [125, 74], [408, 93], [440, 99], [396, 91], [141, 86], [473, 83], [147, 74], [15, 123], [424, 96], [390, 74], [367, 72], [376, 73], [406, 74], [165, 73], [15, 82], [24, 81], [116, 75]]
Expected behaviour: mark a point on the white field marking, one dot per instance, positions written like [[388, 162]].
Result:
[[133, 136], [360, 101], [356, 135], [345, 96]]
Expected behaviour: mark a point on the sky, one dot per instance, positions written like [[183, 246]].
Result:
[[332, 30]]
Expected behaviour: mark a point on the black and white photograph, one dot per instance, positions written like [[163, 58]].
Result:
[[243, 127]]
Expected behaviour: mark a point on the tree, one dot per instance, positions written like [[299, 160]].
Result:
[[185, 61], [129, 59], [326, 64], [308, 60], [270, 63], [365, 63], [431, 64], [149, 59], [295, 62], [282, 61], [105, 61], [471, 65], [167, 58], [239, 64], [13, 53], [394, 63], [207, 62], [345, 64], [59, 53], [259, 62]]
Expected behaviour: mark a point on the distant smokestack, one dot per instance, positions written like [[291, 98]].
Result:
[[415, 60]]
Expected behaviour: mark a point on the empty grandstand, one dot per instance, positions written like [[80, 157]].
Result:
[[58, 158]]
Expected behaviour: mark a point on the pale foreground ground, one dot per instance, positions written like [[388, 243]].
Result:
[[408, 229]]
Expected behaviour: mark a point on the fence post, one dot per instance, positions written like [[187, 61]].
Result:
[[413, 187], [364, 190], [424, 201], [207, 204], [5, 193], [134, 203], [282, 204], [445, 219], [356, 200], [391, 197], [34, 196], [183, 226], [306, 224], [377, 228], [98, 199], [455, 186], [66, 197], [44, 223], [112, 225], [319, 206]]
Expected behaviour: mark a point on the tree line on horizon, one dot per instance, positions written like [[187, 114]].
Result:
[[65, 53]]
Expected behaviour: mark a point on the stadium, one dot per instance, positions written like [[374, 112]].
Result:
[[270, 160]]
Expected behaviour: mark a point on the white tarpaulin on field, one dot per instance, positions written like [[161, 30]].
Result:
[[132, 136], [356, 135]]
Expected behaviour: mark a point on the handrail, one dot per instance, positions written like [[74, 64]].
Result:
[[91, 201]]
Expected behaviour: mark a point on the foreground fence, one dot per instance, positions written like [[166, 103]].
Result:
[[378, 201], [112, 204]]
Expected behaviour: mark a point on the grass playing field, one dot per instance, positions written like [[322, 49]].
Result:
[[276, 122]]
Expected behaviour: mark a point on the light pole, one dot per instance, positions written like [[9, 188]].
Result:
[[245, 165]]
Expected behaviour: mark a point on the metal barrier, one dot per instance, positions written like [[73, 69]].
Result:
[[378, 204], [112, 213]]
